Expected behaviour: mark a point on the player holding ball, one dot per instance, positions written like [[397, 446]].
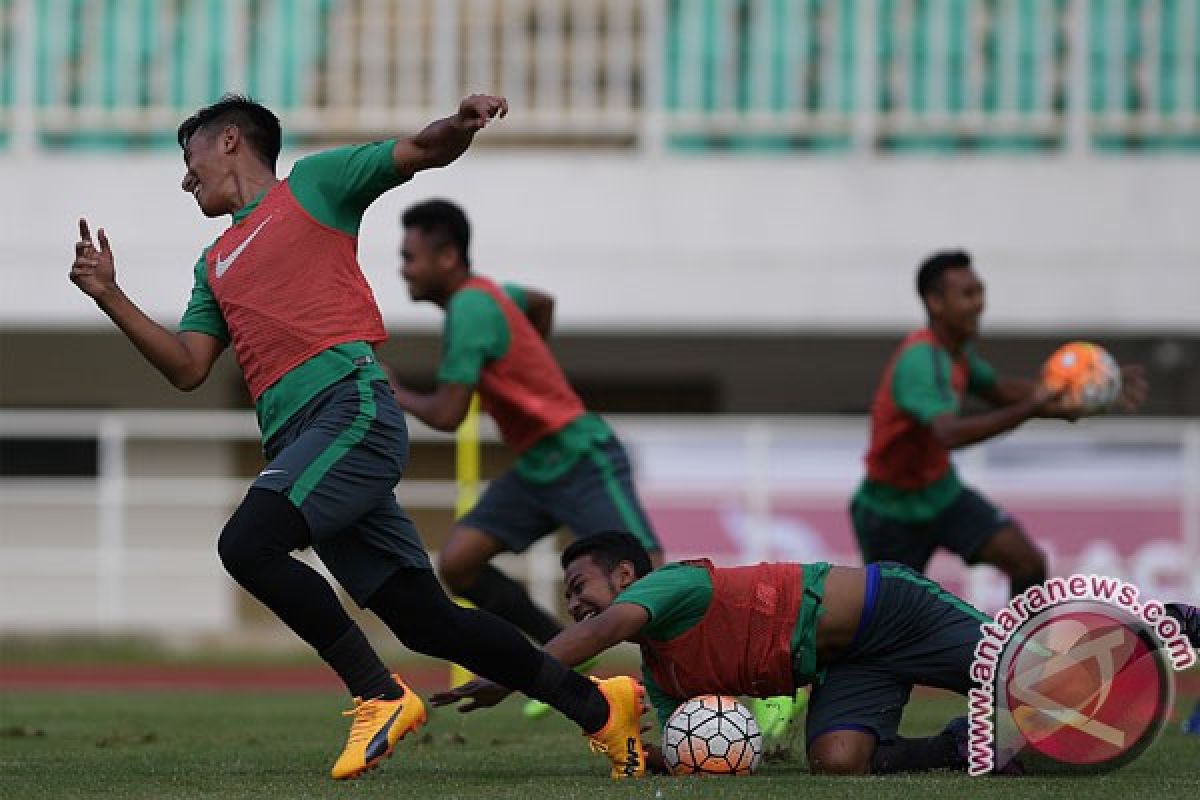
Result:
[[912, 501]]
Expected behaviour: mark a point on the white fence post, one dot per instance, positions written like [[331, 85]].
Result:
[[110, 519]]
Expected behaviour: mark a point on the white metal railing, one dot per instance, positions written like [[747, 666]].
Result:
[[746, 473], [1067, 73]]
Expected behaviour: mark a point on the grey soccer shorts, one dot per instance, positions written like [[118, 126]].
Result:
[[912, 632]]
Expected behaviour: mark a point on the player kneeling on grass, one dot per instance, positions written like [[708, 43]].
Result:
[[862, 636]]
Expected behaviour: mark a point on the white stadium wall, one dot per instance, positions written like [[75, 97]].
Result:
[[708, 243]]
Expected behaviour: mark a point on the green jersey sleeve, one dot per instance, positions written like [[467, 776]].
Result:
[[921, 383], [981, 376], [475, 333], [518, 295], [675, 595], [664, 704], [203, 315], [336, 186]]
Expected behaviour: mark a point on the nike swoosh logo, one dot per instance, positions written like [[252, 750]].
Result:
[[267, 472], [223, 264], [379, 742]]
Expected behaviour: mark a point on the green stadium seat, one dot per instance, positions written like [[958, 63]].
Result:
[[941, 66]]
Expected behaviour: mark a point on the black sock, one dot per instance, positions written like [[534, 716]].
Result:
[[413, 604], [571, 693], [496, 592], [355, 662], [916, 755]]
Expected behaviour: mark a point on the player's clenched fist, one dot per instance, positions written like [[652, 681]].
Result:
[[93, 270], [476, 111]]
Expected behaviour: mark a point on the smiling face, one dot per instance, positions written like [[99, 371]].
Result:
[[429, 266], [208, 164], [957, 305], [590, 588]]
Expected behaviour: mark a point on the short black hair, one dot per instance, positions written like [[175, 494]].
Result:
[[929, 276], [443, 219], [258, 124], [609, 549]]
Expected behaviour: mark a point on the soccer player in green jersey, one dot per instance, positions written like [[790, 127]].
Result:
[[863, 637], [283, 286], [912, 501], [571, 469]]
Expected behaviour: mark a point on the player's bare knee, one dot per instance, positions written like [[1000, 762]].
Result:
[[1034, 568], [841, 753], [457, 569], [1028, 560]]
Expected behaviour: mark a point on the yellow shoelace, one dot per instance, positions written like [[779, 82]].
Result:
[[365, 713]]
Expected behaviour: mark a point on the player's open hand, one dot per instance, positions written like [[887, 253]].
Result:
[[1135, 388], [480, 693], [93, 270], [476, 111]]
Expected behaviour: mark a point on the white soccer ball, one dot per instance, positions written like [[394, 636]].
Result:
[[1088, 377], [713, 735]]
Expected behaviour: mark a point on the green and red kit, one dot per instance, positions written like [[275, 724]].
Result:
[[909, 473]]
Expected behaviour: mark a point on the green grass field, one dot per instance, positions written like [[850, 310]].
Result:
[[166, 745]]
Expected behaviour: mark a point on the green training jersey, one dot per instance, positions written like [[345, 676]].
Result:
[[334, 187], [475, 334], [909, 473]]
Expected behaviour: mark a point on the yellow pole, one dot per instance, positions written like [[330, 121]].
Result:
[[467, 459]]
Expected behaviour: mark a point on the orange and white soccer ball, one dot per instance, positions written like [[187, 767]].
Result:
[[713, 735], [1088, 376]]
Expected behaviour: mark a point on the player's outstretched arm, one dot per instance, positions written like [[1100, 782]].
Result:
[[955, 431], [1009, 391], [442, 410], [620, 622], [443, 141], [185, 358]]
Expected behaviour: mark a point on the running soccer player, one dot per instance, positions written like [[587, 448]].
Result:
[[912, 501], [283, 285], [862, 636], [571, 469]]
